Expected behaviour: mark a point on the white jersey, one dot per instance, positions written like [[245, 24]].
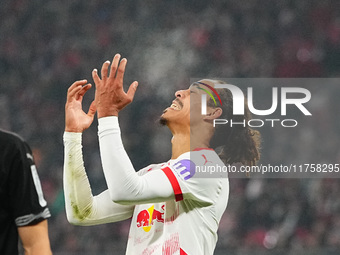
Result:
[[187, 225], [175, 206]]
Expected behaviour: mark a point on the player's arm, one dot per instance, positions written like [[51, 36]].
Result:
[[34, 235], [28, 206], [82, 208], [35, 239], [125, 186], [166, 183]]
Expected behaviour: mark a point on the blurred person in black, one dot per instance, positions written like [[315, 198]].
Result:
[[23, 209]]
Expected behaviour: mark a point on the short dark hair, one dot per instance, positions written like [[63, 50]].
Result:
[[241, 143]]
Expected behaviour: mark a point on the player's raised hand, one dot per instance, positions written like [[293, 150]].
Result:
[[110, 95], [76, 120]]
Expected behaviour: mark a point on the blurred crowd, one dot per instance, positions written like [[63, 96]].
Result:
[[46, 45]]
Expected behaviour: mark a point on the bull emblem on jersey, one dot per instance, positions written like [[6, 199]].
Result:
[[146, 218]]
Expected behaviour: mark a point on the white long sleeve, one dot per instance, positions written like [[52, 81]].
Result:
[[82, 208], [124, 184]]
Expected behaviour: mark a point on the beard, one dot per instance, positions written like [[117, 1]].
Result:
[[163, 121]]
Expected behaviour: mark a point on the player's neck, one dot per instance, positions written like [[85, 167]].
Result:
[[188, 140], [180, 139], [180, 144]]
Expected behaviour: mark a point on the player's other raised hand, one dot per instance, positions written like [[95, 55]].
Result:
[[76, 120], [110, 95]]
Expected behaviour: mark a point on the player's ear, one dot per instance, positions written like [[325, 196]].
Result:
[[213, 113]]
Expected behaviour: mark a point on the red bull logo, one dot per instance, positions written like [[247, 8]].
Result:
[[146, 218]]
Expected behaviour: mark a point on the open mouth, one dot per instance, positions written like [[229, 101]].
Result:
[[176, 105]]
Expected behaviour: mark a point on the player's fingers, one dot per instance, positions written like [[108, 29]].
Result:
[[114, 66], [120, 72], [132, 90], [105, 69], [75, 87], [95, 77], [84, 89], [92, 109]]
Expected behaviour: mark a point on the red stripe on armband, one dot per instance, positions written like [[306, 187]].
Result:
[[174, 183]]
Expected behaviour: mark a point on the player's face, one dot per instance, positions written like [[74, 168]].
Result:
[[186, 107], [179, 110]]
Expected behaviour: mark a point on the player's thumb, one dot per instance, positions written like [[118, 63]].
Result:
[[92, 109], [132, 90]]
